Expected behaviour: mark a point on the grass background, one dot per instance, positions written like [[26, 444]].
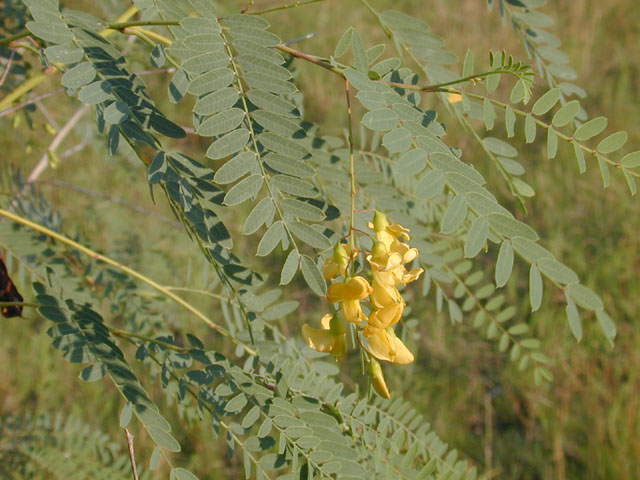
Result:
[[586, 424]]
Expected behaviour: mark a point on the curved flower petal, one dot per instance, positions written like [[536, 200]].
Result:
[[352, 311], [326, 321], [385, 346], [386, 316], [356, 288], [398, 231], [384, 294], [320, 340], [412, 275]]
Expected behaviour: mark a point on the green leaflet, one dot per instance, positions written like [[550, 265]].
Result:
[[380, 120], [397, 140], [430, 185], [211, 81], [222, 122], [312, 275], [66, 53], [566, 114], [454, 215], [243, 190], [504, 263], [288, 165], [216, 101], [270, 240], [272, 103], [255, 64], [613, 142], [262, 213], [294, 186], [290, 267], [499, 147], [309, 235], [79, 75], [51, 32], [584, 297], [235, 168], [228, 144], [573, 316], [590, 129], [510, 227], [412, 162], [94, 93], [182, 474], [477, 237], [302, 210], [546, 102], [535, 287]]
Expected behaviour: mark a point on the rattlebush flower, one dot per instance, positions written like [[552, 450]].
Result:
[[387, 260], [385, 345], [349, 294], [332, 338], [338, 263]]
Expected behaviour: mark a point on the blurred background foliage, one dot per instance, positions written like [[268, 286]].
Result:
[[586, 424]]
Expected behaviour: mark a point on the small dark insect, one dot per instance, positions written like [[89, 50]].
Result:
[[8, 293]]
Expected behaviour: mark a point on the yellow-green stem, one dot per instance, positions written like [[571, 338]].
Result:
[[96, 256]]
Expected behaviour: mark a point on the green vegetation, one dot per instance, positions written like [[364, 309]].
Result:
[[583, 424]]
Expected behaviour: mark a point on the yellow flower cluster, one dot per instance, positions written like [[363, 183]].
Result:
[[387, 260]]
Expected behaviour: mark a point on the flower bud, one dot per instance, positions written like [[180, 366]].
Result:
[[380, 222], [377, 379]]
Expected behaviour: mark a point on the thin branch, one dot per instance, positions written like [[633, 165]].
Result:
[[281, 7], [129, 271], [131, 454], [47, 115], [6, 70], [13, 38], [35, 99], [55, 143], [352, 169]]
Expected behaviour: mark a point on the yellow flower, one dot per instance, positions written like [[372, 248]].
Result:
[[384, 294], [338, 263], [332, 338], [386, 316], [454, 97], [377, 379], [349, 294], [385, 233], [384, 345]]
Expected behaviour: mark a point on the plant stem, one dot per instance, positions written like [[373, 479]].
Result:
[[352, 169], [281, 7], [13, 38], [96, 256]]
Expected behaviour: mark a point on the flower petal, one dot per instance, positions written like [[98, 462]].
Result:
[[352, 311], [386, 316], [384, 295], [356, 288], [320, 340]]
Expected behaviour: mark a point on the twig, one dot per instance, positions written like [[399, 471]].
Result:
[[55, 143], [6, 70], [35, 99], [47, 115], [300, 39], [129, 271], [281, 7], [131, 454]]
